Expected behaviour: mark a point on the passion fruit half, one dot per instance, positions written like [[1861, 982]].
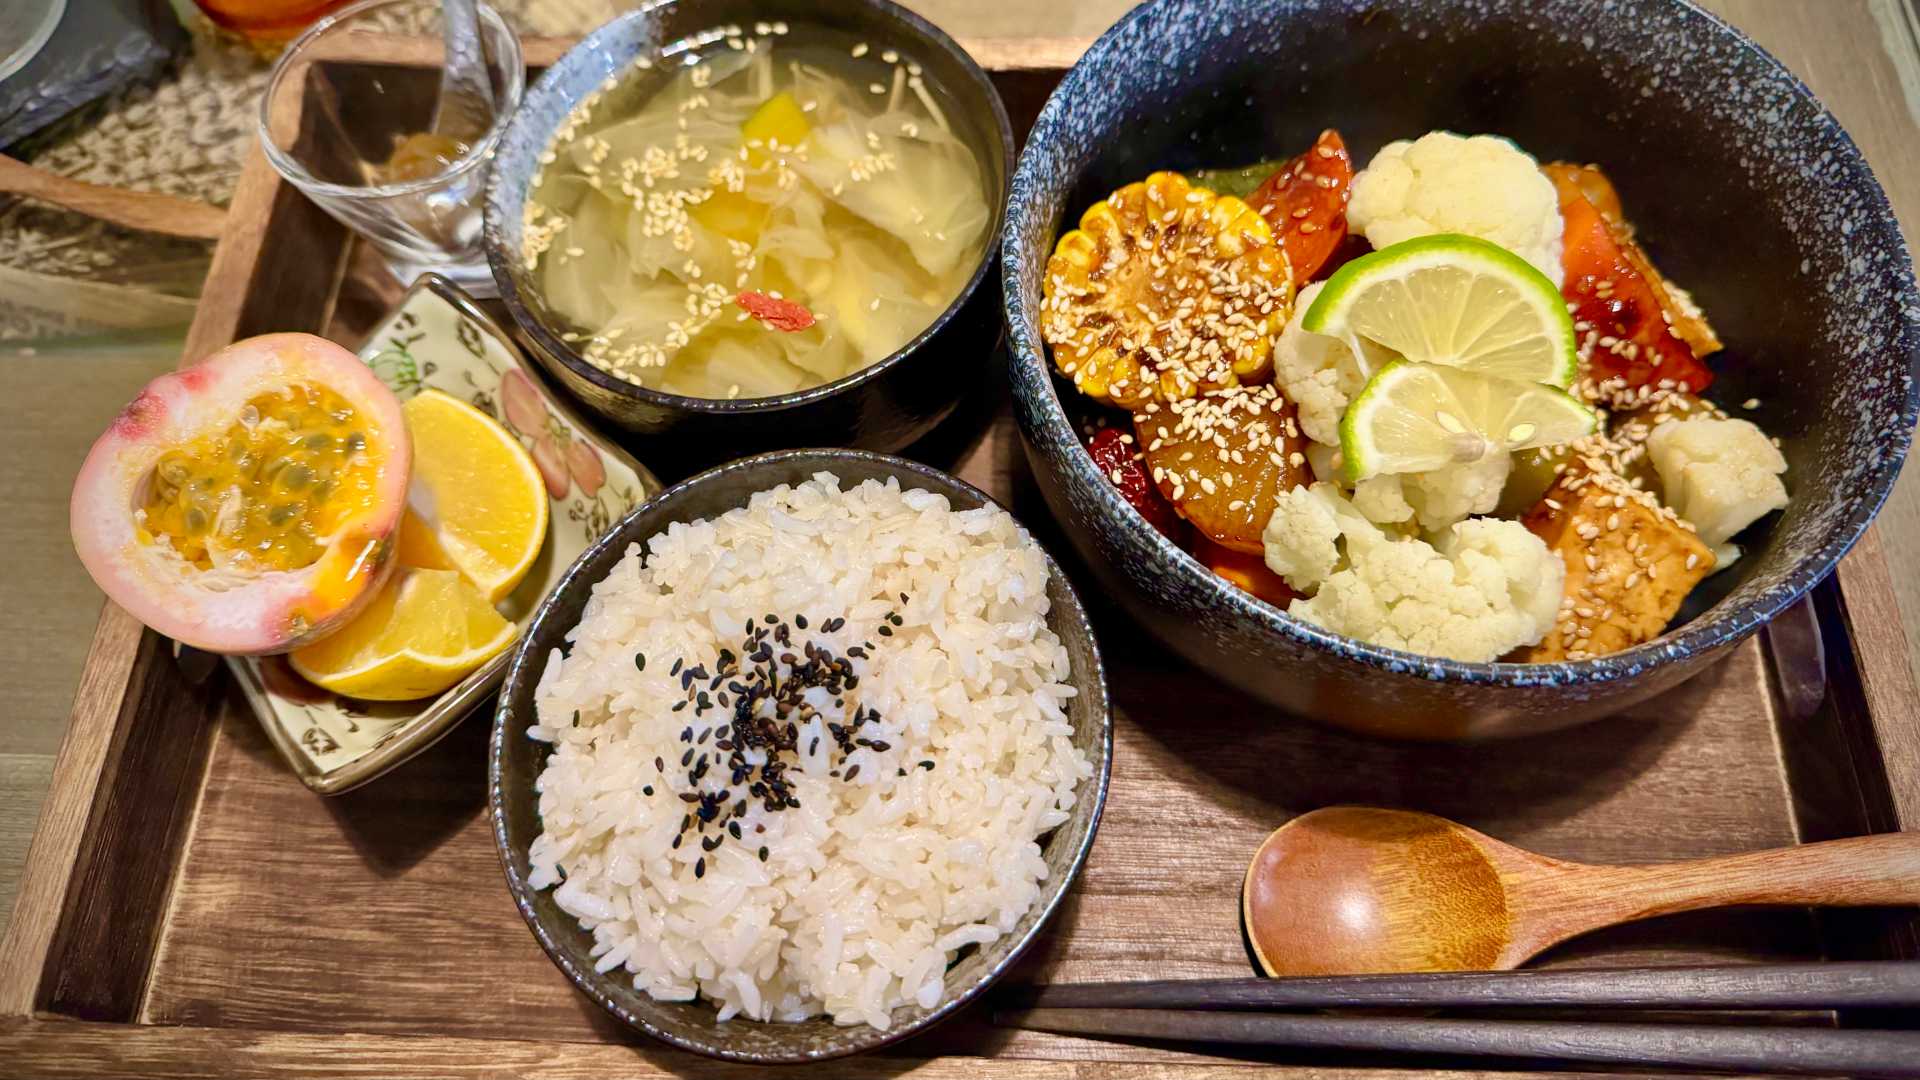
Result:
[[248, 504]]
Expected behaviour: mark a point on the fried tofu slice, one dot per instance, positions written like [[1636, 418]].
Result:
[[1630, 563]]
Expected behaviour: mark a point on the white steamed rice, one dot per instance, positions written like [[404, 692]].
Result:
[[870, 886]]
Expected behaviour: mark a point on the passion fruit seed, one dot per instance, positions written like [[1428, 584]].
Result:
[[260, 494]]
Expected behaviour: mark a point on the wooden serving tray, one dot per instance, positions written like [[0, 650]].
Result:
[[188, 907]]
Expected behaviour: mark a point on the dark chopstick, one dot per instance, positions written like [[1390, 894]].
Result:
[[1882, 984], [1792, 1050]]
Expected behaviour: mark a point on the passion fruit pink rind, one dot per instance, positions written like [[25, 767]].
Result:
[[273, 521]]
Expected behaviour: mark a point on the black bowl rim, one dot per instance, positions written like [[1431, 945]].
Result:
[[501, 261], [1092, 683], [1033, 378]]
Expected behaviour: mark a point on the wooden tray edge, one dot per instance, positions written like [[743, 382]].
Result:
[[86, 748], [72, 1049], [104, 681], [1863, 578], [1879, 642]]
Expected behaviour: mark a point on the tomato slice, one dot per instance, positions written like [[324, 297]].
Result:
[[1305, 201], [1614, 301], [1112, 451]]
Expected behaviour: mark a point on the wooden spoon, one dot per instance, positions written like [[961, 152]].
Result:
[[147, 210], [1350, 890]]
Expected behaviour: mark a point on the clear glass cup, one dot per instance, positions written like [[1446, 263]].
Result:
[[25, 27], [348, 118]]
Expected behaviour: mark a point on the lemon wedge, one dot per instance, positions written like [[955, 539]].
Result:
[[476, 491], [427, 630], [1453, 300], [418, 546], [1420, 417]]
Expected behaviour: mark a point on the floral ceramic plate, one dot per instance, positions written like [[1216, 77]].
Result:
[[438, 337]]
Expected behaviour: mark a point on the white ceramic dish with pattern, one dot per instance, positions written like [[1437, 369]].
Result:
[[438, 338]]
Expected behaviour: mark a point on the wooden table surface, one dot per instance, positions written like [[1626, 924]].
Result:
[[1862, 57]]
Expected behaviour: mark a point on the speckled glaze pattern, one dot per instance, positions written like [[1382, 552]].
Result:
[[1745, 189], [514, 761], [884, 406]]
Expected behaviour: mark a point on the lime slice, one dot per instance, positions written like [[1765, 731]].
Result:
[[1455, 300], [1418, 417]]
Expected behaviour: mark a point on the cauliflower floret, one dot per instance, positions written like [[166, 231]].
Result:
[[1324, 460], [1383, 500], [1720, 475], [1455, 492], [1320, 374], [1492, 552], [1302, 538], [1482, 186], [1437, 498], [1488, 587]]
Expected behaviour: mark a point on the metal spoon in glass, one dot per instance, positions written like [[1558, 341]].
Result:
[[1350, 890], [465, 110]]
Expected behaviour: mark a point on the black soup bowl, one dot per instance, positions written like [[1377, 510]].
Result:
[[884, 406], [515, 761], [1743, 187]]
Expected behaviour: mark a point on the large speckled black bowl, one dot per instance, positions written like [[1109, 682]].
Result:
[[1745, 189], [884, 406], [514, 761]]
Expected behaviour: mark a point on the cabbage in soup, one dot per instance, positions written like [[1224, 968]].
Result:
[[763, 214]]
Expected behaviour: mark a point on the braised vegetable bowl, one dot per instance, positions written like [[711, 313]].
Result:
[[1485, 402]]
